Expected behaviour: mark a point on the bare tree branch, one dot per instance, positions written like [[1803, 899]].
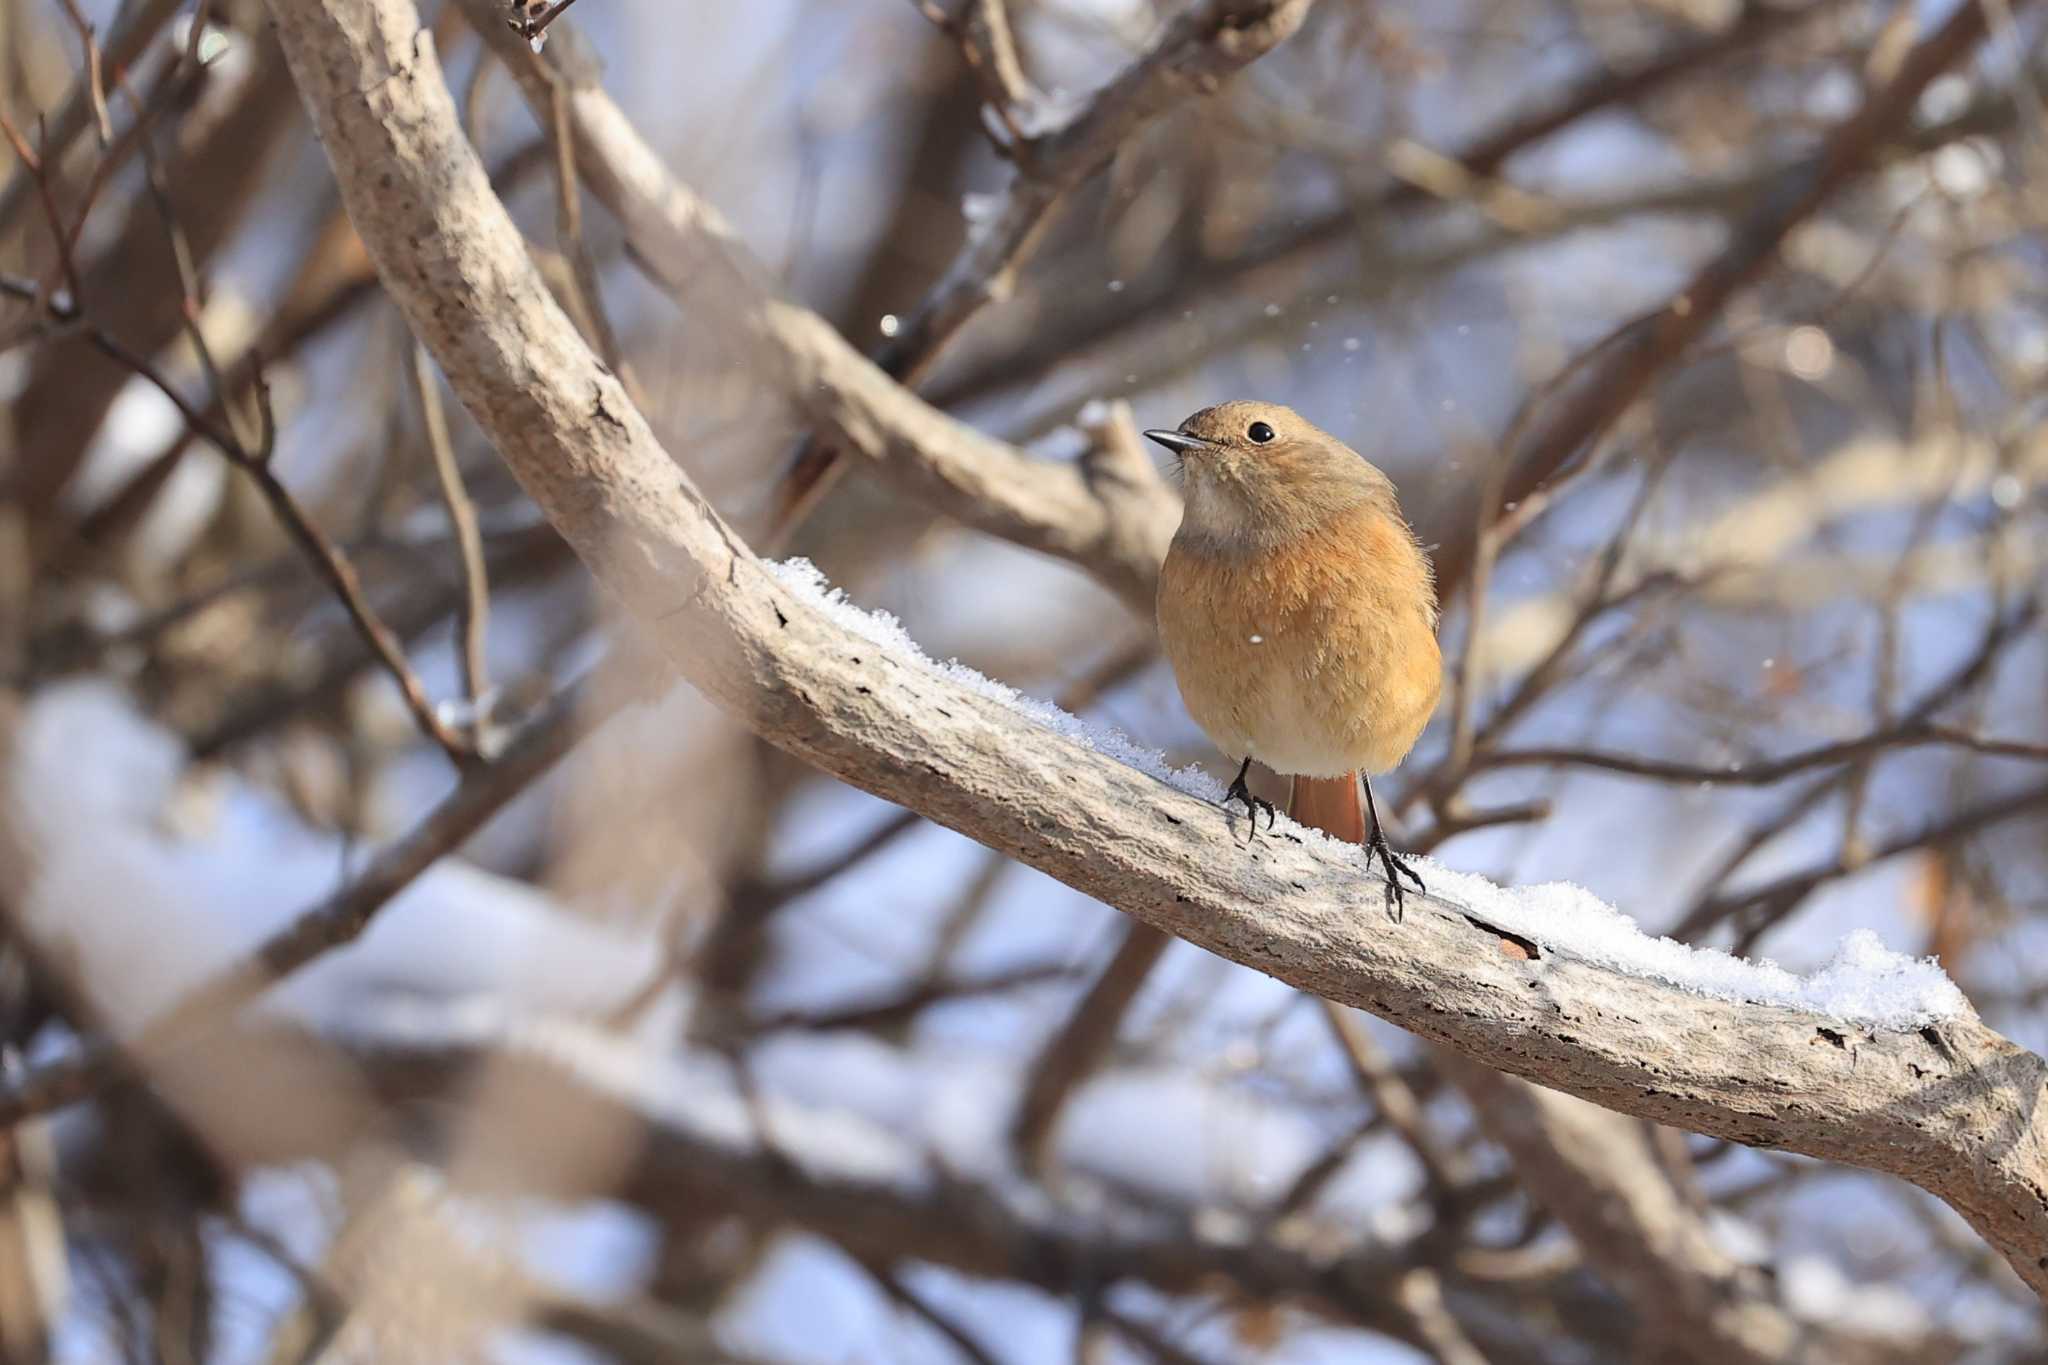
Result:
[[1113, 520], [1083, 1039], [1201, 46], [1596, 1173], [1766, 772]]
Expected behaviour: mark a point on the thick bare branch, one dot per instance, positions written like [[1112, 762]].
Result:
[[1205, 43], [1596, 1173], [1083, 1040], [1953, 1108], [1116, 528]]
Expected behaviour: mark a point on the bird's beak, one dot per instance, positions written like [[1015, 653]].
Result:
[[1179, 442]]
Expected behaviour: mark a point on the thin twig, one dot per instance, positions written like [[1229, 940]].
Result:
[[989, 47], [588, 297], [474, 615], [96, 89], [1083, 1039], [1765, 772], [1382, 1082], [249, 453], [34, 165], [941, 1321], [133, 29], [533, 20], [172, 86], [1781, 894], [252, 456], [1709, 910]]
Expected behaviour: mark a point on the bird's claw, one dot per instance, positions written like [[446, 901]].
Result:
[[1252, 804], [1396, 868]]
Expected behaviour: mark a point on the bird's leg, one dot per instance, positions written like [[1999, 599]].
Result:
[[1394, 864], [1252, 804]]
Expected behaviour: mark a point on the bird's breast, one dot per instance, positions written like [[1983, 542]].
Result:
[[1317, 655]]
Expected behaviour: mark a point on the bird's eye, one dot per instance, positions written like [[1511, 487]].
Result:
[[1259, 432]]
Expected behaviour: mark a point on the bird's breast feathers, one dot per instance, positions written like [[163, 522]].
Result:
[[1315, 656]]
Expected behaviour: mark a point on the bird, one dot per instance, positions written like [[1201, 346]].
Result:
[[1298, 611]]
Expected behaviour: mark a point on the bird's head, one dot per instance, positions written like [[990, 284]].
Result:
[[1264, 470]]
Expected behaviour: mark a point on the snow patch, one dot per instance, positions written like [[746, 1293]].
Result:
[[1864, 983], [152, 880], [884, 631]]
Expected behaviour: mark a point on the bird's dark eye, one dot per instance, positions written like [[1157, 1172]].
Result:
[[1259, 432]]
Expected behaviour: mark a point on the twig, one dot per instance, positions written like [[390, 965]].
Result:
[[134, 27], [1083, 1040], [1454, 819], [901, 1008], [39, 172], [95, 75], [340, 574], [1766, 772], [1146, 1337], [171, 87], [1596, 1172], [942, 1322], [518, 556], [1479, 162], [1782, 893], [1708, 910], [575, 248], [1464, 673], [989, 47], [474, 615], [1395, 1102], [1420, 1293], [252, 456], [534, 18]]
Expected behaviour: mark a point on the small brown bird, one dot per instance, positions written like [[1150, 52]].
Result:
[[1299, 613]]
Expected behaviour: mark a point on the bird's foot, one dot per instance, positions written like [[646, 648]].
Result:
[[1252, 804], [1396, 867]]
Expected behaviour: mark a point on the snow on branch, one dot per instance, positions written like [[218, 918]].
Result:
[[1863, 984], [1948, 1104]]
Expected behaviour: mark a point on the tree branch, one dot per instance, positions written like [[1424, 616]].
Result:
[[1206, 42], [1596, 1173], [1115, 528]]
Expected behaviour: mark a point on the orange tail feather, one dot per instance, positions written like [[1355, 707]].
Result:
[[1330, 804]]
